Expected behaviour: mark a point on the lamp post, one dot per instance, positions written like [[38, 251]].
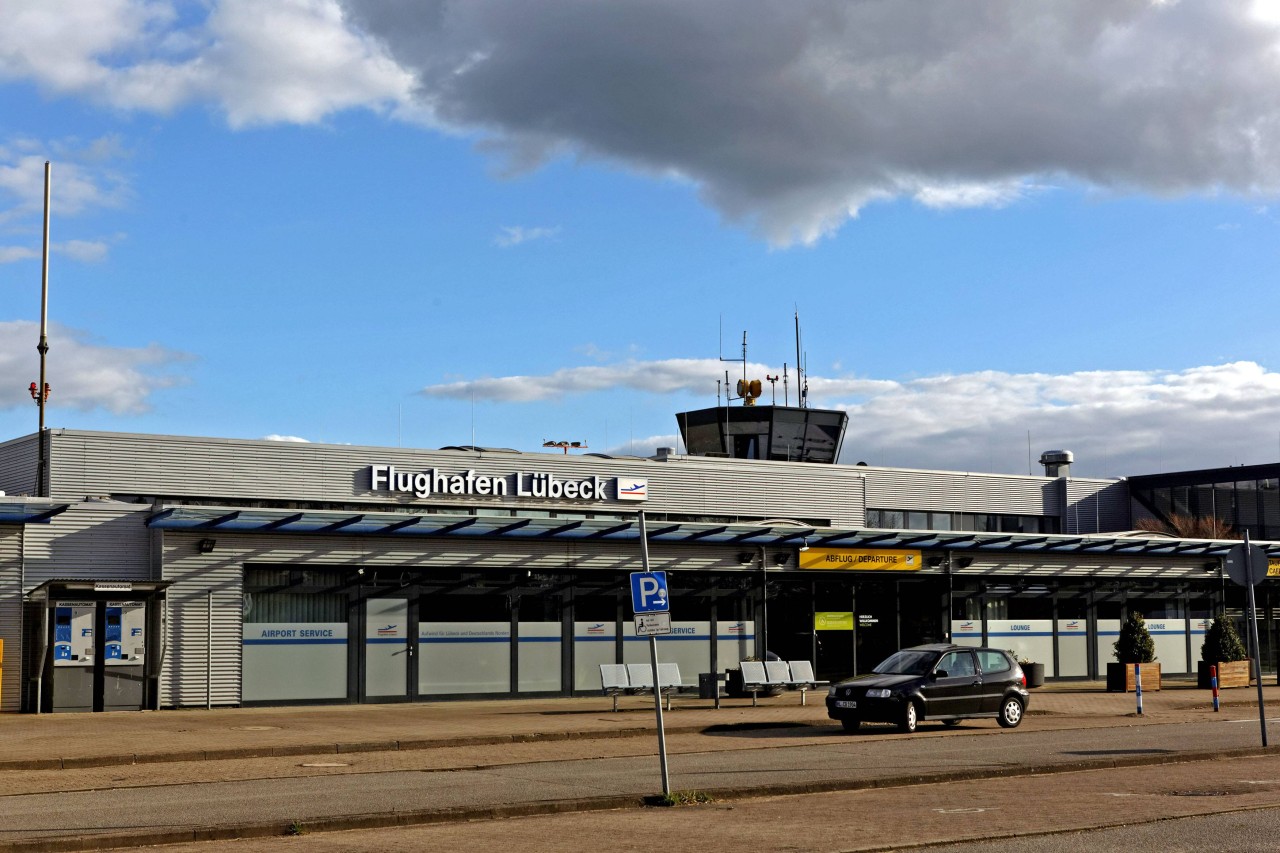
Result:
[[40, 393], [565, 445]]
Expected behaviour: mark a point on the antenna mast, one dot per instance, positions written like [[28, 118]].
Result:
[[802, 384]]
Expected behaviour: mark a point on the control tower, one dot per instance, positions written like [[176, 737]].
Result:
[[786, 433]]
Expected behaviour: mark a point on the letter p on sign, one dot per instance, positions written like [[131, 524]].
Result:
[[649, 592]]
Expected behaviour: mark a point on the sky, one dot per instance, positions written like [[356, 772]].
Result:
[[1005, 226]]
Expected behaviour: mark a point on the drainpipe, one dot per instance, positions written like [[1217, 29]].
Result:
[[764, 607]]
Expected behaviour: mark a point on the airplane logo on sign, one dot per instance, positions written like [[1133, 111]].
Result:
[[632, 490]]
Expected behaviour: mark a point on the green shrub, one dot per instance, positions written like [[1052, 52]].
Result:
[[1221, 642], [1135, 644]]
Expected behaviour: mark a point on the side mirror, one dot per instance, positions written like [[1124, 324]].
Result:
[[937, 673]]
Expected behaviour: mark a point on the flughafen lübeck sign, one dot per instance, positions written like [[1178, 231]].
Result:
[[520, 484]]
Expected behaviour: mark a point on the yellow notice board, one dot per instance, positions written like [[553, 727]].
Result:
[[1273, 568], [861, 559], [833, 621]]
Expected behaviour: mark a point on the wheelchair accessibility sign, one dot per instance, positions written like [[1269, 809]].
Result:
[[649, 592]]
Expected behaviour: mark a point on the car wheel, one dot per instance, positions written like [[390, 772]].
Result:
[[950, 723], [1010, 713], [851, 725], [909, 718]]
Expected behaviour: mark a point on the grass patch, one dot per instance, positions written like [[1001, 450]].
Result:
[[295, 828], [680, 798]]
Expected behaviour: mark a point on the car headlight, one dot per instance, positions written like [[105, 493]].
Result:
[[878, 693]]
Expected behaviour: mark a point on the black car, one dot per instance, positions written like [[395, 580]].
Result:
[[934, 682]]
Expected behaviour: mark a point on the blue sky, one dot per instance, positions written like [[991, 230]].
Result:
[[502, 223]]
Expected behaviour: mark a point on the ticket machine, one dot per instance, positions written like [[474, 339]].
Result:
[[124, 647], [74, 655], [93, 645]]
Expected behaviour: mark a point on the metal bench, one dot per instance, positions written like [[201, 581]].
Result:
[[633, 678], [754, 677], [766, 675], [803, 679], [614, 681]]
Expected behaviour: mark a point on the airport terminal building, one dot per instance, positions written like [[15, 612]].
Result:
[[168, 571]]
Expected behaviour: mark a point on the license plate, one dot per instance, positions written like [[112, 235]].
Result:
[[846, 703]]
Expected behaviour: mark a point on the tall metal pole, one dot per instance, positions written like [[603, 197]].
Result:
[[653, 661], [42, 463], [1253, 630]]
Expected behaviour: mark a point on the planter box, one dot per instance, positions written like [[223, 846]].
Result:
[[1238, 673], [1034, 673], [1120, 677]]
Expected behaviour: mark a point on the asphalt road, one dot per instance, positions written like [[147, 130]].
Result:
[[768, 761], [1226, 806]]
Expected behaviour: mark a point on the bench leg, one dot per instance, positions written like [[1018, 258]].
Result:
[[803, 692], [615, 703], [753, 698]]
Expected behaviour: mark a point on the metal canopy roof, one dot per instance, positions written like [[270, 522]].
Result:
[[29, 512], [210, 519]]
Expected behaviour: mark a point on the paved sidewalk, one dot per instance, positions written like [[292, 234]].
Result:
[[50, 741]]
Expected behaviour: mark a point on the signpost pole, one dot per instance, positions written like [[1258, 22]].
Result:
[[1253, 630], [657, 682]]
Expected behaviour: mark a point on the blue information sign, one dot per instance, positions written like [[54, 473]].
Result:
[[649, 592]]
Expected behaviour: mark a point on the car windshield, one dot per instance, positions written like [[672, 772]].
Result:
[[907, 663]]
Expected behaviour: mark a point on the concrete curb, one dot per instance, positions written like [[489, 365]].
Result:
[[139, 838], [348, 747]]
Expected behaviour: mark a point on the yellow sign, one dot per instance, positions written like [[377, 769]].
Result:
[[833, 621], [861, 559], [1273, 568]]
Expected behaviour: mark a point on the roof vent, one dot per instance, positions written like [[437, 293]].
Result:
[[1057, 463]]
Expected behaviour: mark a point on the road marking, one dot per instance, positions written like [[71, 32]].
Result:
[[970, 810], [325, 764], [1254, 720]]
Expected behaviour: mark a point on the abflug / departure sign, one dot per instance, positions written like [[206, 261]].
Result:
[[520, 484]]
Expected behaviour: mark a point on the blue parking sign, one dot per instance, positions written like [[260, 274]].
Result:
[[649, 592]]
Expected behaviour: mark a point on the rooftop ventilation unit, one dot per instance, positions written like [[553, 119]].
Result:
[[1057, 463]]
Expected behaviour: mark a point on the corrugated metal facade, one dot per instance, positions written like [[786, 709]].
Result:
[[91, 464], [958, 491], [100, 540], [18, 466], [11, 616], [202, 657], [1092, 506], [88, 464]]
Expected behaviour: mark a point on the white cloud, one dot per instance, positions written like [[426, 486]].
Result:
[[78, 182], [83, 374], [786, 117], [1118, 422], [790, 117], [658, 377], [259, 61], [514, 235], [286, 438], [85, 251], [995, 194], [10, 254]]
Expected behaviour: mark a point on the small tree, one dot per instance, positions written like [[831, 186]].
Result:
[[1221, 642], [1135, 644]]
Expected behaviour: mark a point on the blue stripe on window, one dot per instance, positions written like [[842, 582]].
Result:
[[287, 642]]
